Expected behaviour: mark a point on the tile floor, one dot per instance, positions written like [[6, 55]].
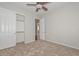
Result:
[[39, 48]]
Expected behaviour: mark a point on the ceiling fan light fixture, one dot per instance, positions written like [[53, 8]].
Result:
[[39, 6]]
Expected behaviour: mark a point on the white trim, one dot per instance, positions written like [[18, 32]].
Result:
[[63, 44]]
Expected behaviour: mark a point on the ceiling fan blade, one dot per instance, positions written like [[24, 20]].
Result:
[[31, 4], [44, 8], [42, 3]]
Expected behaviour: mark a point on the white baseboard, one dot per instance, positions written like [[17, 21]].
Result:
[[63, 44], [1, 48]]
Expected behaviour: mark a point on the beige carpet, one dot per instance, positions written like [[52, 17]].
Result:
[[39, 48]]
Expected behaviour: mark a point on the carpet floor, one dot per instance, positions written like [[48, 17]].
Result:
[[39, 48]]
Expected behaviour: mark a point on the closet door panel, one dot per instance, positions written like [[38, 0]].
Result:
[[19, 28], [7, 28], [12, 29], [3, 31]]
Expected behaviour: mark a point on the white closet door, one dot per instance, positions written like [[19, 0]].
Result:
[[19, 28], [7, 28]]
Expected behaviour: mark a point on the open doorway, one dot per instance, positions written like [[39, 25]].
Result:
[[37, 29], [20, 28]]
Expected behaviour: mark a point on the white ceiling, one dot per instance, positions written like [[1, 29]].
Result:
[[22, 6]]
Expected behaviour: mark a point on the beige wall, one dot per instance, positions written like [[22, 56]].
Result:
[[42, 28], [62, 25]]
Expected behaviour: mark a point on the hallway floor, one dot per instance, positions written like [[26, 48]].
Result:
[[39, 48]]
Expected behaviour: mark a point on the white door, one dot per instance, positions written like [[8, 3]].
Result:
[[19, 28], [7, 28], [42, 28]]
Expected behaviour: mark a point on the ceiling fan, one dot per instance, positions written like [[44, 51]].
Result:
[[39, 6]]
